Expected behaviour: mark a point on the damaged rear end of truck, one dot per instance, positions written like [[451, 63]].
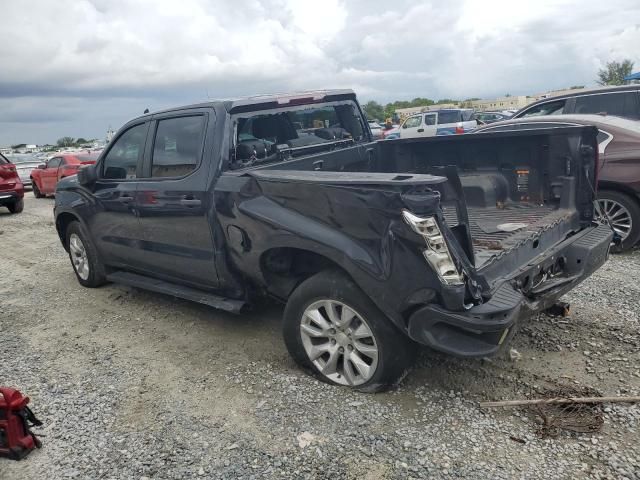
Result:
[[519, 211], [454, 239]]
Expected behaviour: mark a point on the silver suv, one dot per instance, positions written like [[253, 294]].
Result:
[[619, 101]]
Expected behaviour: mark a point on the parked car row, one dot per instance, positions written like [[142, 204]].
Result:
[[25, 163], [18, 171]]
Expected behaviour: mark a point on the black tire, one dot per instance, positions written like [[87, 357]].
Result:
[[96, 274], [633, 208], [36, 191], [17, 206], [395, 351]]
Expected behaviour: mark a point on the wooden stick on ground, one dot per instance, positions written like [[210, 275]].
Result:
[[559, 401]]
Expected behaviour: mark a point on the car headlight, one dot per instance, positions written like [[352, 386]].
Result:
[[437, 252]]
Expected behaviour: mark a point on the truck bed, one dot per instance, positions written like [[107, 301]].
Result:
[[499, 230]]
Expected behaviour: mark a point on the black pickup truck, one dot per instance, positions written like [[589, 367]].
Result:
[[374, 246]]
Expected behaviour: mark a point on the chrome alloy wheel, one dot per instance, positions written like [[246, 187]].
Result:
[[619, 217], [79, 256], [339, 342]]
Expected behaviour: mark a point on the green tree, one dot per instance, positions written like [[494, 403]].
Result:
[[81, 141], [615, 72], [374, 111], [390, 108], [66, 142], [421, 102]]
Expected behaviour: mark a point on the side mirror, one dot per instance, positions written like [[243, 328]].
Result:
[[42, 167], [87, 175]]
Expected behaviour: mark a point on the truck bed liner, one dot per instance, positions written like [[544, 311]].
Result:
[[487, 225]]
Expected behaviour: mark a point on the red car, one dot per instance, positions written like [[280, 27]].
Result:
[[11, 188], [45, 178]]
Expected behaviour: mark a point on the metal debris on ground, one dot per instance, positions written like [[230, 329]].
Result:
[[573, 417], [565, 407]]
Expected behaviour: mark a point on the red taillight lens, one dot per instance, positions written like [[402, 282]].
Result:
[[8, 171], [459, 130]]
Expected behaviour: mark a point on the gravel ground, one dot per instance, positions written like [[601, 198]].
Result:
[[134, 385]]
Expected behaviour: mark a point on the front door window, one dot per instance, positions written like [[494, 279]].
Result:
[[122, 160]]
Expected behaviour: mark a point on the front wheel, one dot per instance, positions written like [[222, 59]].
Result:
[[334, 331], [84, 257], [623, 213], [36, 191], [17, 206]]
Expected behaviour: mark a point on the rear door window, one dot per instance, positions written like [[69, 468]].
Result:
[[547, 108], [177, 146], [449, 117], [622, 104]]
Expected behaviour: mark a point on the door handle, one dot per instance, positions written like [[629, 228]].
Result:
[[190, 202], [318, 164], [125, 199], [420, 130]]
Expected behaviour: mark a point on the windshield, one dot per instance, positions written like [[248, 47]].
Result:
[[265, 136]]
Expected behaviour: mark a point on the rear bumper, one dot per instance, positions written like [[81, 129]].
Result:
[[9, 197], [484, 329]]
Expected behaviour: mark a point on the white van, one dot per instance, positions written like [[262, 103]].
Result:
[[451, 121]]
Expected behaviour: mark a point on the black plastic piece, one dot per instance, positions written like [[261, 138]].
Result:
[[180, 291]]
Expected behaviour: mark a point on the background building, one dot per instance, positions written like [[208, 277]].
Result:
[[515, 102]]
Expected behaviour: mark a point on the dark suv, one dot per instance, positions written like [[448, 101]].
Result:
[[619, 101]]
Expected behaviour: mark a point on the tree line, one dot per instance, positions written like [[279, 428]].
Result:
[[73, 142]]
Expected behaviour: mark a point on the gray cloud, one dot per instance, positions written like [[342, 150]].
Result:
[[74, 67]]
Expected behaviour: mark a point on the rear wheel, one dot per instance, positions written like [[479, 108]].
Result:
[[36, 191], [17, 206], [84, 257], [334, 331], [623, 213]]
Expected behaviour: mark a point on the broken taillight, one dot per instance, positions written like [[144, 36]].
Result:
[[437, 252]]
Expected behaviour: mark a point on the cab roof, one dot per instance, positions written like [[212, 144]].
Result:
[[267, 101]]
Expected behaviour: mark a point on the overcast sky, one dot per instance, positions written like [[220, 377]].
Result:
[[76, 67]]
